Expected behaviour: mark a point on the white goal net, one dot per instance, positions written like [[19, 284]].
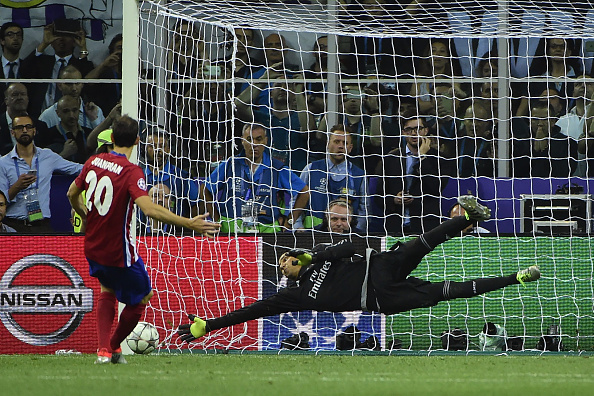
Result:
[[374, 116]]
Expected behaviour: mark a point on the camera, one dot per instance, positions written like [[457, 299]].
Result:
[[297, 341], [66, 27], [454, 340], [349, 339]]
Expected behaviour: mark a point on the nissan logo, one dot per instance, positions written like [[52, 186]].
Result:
[[75, 299]]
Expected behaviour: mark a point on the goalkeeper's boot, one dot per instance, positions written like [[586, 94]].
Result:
[[198, 328], [529, 274], [117, 357], [474, 210], [103, 356]]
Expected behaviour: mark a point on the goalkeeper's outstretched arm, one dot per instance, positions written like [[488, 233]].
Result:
[[274, 305]]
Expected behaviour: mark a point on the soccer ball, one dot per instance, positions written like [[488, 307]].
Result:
[[143, 339]]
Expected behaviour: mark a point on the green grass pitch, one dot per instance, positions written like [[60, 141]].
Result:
[[298, 374]]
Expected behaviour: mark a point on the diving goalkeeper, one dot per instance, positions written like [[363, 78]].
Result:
[[330, 279]]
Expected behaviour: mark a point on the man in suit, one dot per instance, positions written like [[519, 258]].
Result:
[[40, 65], [11, 39], [16, 101], [107, 95], [411, 179]]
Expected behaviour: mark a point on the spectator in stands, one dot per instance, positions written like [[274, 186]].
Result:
[[107, 95], [489, 91], [205, 125], [462, 20], [187, 49], [488, 66], [245, 41], [338, 218], [440, 99], [476, 146], [97, 138], [334, 177], [586, 139], [360, 114], [573, 124], [246, 66], [547, 152], [549, 97], [552, 97], [391, 134], [411, 179], [159, 169], [489, 98], [557, 62], [276, 57], [288, 121], [472, 229], [524, 50], [276, 51], [17, 101], [381, 57], [185, 58], [253, 192], [90, 115], [25, 175], [39, 65], [68, 138], [316, 92], [3, 204], [11, 39], [520, 125], [161, 195]]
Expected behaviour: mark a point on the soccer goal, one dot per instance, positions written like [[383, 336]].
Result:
[[504, 91]]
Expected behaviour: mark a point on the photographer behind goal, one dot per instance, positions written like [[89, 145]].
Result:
[[380, 282]]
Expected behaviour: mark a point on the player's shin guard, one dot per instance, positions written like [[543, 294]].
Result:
[[128, 320], [451, 290], [106, 309]]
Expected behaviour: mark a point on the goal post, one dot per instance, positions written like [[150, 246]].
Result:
[[482, 74]]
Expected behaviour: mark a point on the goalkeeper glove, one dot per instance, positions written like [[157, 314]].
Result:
[[191, 332], [303, 256]]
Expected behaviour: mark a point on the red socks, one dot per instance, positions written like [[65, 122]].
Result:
[[106, 311], [128, 320]]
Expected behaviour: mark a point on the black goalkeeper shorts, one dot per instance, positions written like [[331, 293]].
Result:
[[395, 291]]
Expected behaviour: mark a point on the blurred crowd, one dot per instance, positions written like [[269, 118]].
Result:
[[361, 142]]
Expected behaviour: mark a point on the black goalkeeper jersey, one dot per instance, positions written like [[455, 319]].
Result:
[[333, 283]]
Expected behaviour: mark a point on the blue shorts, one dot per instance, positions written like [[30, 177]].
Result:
[[130, 284]]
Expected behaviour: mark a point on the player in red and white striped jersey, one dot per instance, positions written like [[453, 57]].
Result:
[[113, 185]]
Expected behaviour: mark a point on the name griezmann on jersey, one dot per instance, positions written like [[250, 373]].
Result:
[[107, 165]]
